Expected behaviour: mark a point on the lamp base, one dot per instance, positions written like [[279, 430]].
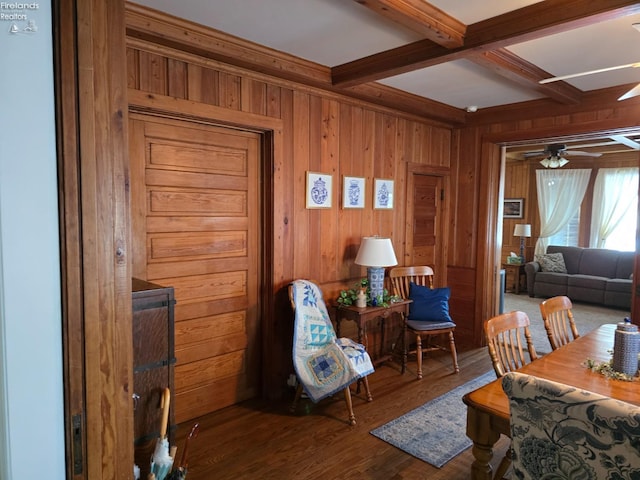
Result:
[[375, 277]]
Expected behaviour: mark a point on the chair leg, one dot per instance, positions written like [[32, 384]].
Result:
[[366, 389], [405, 348], [296, 399], [419, 355], [505, 463], [454, 355], [347, 398]]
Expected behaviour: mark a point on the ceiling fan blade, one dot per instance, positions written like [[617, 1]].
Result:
[[582, 154], [590, 72], [534, 154], [635, 91]]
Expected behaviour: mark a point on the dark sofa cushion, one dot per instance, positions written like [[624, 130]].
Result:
[[599, 262], [552, 278], [587, 281], [571, 256], [619, 285], [624, 268]]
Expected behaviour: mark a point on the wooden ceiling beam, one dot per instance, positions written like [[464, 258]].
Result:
[[527, 23], [517, 69], [423, 18]]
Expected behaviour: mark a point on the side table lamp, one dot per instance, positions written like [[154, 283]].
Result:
[[376, 253], [522, 230]]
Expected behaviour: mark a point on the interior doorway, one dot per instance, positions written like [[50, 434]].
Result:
[[594, 150]]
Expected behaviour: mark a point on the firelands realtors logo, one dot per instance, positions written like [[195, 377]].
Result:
[[19, 16]]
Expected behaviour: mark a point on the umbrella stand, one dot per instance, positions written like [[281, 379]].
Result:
[[181, 472], [161, 461]]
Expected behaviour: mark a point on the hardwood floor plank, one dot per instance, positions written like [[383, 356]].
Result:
[[261, 440]]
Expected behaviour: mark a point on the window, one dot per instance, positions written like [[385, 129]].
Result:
[[569, 235], [624, 236]]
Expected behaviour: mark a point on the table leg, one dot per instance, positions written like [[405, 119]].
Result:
[[479, 430]]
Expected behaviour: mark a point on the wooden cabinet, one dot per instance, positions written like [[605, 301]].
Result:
[[153, 365]]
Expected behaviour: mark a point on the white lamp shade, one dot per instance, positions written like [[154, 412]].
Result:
[[376, 252], [522, 230]]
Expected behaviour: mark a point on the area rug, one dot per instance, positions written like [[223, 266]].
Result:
[[436, 431]]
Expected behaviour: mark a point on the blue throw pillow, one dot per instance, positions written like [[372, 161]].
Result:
[[429, 304]]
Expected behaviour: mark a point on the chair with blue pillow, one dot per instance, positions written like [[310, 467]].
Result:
[[429, 320]]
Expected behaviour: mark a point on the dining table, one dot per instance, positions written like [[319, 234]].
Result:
[[488, 406]]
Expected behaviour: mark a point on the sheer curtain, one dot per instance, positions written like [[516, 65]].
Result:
[[615, 193], [560, 193]]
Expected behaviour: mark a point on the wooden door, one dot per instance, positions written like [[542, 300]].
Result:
[[424, 222], [195, 200]]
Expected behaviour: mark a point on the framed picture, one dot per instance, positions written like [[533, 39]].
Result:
[[353, 192], [319, 191], [513, 208], [382, 193]]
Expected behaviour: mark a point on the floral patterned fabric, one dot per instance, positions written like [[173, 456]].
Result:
[[561, 432], [552, 262]]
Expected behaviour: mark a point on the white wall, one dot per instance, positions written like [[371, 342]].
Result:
[[31, 388]]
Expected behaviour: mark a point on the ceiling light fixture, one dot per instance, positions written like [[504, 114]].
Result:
[[472, 108], [554, 161]]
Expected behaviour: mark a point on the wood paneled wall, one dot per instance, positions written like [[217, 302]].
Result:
[[324, 131], [321, 132]]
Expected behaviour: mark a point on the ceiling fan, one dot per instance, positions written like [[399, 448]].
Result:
[[554, 155], [631, 93]]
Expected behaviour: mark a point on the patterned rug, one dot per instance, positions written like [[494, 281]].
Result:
[[434, 432]]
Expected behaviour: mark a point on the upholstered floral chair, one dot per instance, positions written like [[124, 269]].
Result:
[[563, 432]]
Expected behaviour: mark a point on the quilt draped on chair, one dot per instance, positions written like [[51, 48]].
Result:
[[324, 364]]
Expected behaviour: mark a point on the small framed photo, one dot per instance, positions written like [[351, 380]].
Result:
[[319, 191], [353, 192], [513, 208], [382, 193]]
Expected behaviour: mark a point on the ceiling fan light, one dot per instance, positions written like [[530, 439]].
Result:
[[554, 161]]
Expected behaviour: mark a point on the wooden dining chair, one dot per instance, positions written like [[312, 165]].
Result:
[[507, 335], [425, 331], [558, 321]]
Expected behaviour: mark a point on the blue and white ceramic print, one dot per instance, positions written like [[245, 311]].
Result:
[[354, 193], [319, 192], [383, 196]]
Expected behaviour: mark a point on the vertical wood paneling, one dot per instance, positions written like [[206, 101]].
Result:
[[102, 166], [202, 84], [321, 133], [176, 78], [153, 73], [229, 91]]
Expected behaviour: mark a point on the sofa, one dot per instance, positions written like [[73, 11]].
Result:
[[591, 275]]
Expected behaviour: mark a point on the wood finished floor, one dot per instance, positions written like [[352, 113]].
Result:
[[259, 440]]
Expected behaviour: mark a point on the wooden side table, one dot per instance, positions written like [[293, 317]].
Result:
[[517, 272], [362, 316]]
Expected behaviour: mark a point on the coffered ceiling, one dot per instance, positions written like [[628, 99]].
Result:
[[454, 55]]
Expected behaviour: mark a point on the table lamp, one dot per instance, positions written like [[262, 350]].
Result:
[[522, 230], [375, 253]]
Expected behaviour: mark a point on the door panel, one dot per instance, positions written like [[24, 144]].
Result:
[[196, 227], [426, 219]]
